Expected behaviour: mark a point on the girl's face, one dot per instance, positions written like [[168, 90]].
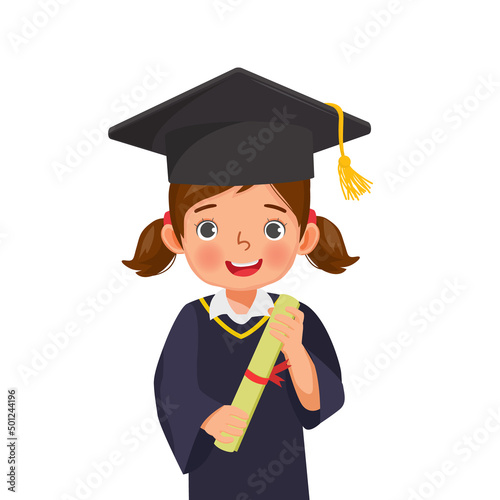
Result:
[[242, 241]]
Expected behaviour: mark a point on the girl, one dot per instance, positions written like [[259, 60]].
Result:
[[240, 237]]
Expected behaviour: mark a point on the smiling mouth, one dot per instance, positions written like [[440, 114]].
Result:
[[246, 269]]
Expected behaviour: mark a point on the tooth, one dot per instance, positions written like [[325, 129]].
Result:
[[235, 264]]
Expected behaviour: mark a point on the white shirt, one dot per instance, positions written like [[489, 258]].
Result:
[[260, 306]]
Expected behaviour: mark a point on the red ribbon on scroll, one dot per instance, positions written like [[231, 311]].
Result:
[[273, 377]]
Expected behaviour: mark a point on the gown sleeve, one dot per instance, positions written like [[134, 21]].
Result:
[[182, 407], [319, 346]]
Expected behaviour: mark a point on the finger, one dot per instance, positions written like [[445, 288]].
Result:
[[299, 315], [270, 310], [236, 422], [282, 318], [285, 330], [223, 439], [236, 412], [233, 431], [278, 335]]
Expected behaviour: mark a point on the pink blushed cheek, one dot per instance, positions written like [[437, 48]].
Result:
[[208, 258], [276, 255]]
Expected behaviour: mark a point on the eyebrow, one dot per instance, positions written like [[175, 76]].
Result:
[[275, 207], [204, 207]]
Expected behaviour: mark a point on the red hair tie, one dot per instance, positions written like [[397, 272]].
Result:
[[166, 219], [312, 217]]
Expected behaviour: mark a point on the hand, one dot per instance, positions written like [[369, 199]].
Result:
[[227, 419], [288, 330]]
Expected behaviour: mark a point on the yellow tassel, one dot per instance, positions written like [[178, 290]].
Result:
[[353, 184]]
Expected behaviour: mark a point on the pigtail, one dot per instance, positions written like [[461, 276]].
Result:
[[330, 253], [151, 255]]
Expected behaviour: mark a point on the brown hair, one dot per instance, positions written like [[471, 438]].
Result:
[[152, 257]]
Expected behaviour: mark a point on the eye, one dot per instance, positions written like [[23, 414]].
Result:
[[206, 230], [274, 229]]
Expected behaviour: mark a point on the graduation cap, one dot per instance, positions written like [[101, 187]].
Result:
[[240, 128]]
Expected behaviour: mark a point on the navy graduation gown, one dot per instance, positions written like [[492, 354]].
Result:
[[200, 369]]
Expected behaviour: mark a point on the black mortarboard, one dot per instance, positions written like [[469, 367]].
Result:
[[239, 129]]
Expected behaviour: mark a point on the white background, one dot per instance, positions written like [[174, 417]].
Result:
[[63, 236]]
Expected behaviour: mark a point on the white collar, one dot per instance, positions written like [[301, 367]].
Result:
[[220, 305]]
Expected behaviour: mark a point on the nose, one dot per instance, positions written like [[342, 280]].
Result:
[[243, 242]]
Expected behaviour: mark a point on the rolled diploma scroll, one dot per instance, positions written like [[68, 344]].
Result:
[[262, 363]]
